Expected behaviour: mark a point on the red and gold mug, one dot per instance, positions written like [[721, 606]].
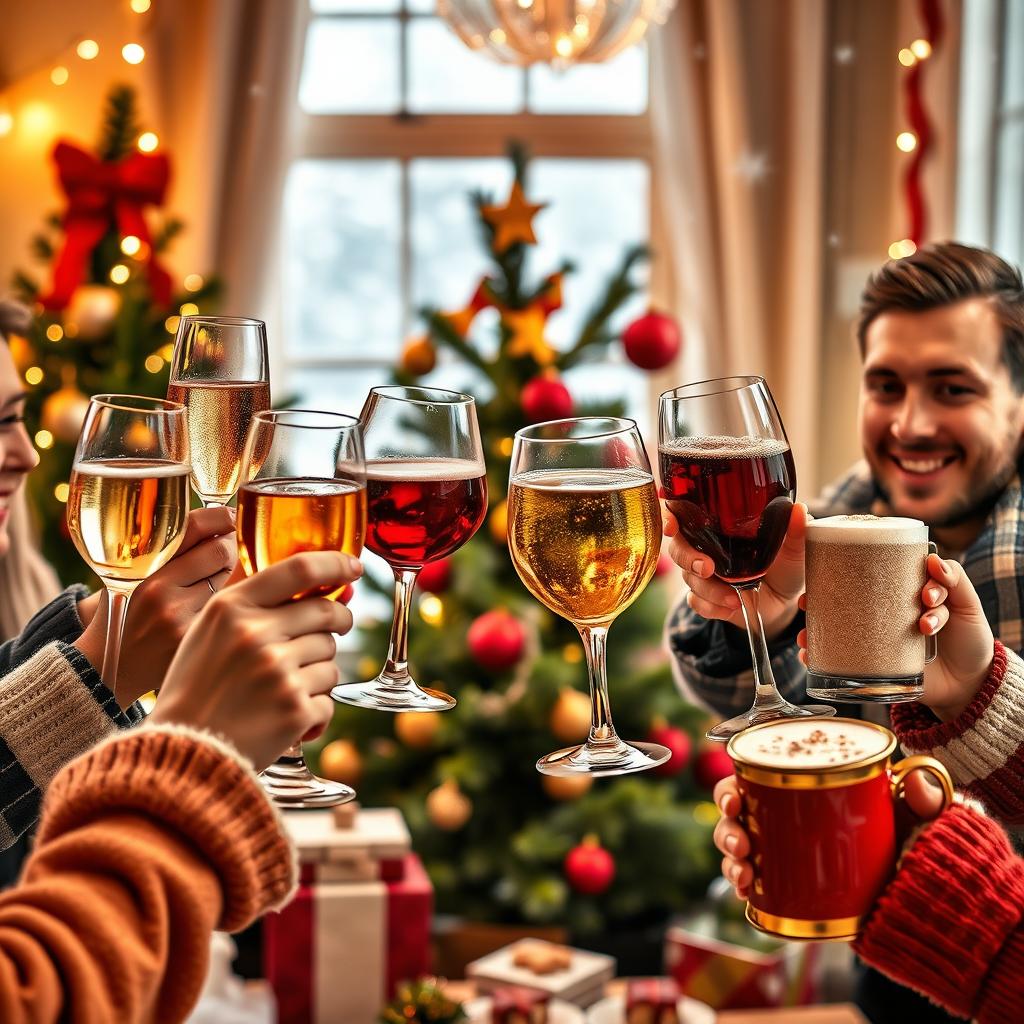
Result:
[[819, 804]]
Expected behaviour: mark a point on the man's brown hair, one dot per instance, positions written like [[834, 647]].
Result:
[[942, 275]]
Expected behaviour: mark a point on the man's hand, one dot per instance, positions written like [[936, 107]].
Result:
[[710, 598], [164, 606]]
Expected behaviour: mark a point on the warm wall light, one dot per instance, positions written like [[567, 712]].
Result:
[[921, 49], [140, 6], [903, 248], [88, 49], [119, 273], [907, 58], [906, 141], [133, 53], [6, 123], [130, 245], [148, 141], [59, 75]]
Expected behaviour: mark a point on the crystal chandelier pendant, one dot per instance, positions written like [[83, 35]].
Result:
[[555, 32]]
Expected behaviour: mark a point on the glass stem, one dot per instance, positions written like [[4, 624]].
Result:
[[602, 731], [117, 609], [397, 666], [766, 695], [294, 752]]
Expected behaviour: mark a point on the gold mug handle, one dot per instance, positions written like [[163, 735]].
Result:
[[901, 769], [931, 642]]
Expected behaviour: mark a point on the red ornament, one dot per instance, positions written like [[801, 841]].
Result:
[[677, 741], [652, 341], [546, 398], [711, 765], [589, 867], [496, 640], [435, 577]]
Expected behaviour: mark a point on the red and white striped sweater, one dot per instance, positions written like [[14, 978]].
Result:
[[949, 924]]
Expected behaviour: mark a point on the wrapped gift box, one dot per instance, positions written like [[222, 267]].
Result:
[[728, 975], [579, 979], [358, 925]]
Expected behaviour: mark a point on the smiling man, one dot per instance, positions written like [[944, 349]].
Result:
[[941, 337]]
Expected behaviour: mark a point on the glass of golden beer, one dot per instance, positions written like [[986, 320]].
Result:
[[303, 488], [128, 498], [220, 373], [584, 531]]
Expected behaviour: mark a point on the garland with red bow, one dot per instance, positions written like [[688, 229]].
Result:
[[101, 196]]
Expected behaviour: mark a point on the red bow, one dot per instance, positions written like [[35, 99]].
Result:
[[100, 194]]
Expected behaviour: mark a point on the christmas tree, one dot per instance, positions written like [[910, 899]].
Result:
[[105, 308], [501, 841]]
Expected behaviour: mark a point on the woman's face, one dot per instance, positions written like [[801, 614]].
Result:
[[17, 456]]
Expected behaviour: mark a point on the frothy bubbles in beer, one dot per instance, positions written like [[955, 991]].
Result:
[[868, 529], [725, 446]]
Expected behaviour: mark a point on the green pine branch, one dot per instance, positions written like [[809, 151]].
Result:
[[443, 333], [121, 125], [169, 230]]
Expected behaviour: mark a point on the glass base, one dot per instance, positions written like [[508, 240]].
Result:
[[292, 786], [724, 731], [617, 758], [865, 689], [387, 695]]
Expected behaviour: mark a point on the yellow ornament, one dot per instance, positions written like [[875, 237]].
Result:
[[498, 522], [570, 717], [92, 311], [461, 319], [418, 356], [526, 328], [341, 761], [512, 222], [448, 808], [417, 729], [64, 413], [569, 787]]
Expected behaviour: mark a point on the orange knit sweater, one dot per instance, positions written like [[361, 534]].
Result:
[[147, 844]]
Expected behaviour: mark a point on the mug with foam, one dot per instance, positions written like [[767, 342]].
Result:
[[819, 804], [864, 580]]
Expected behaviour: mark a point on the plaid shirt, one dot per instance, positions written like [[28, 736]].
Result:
[[711, 659]]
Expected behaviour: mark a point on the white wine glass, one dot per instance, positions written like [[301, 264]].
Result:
[[128, 498], [584, 532], [303, 488], [220, 373]]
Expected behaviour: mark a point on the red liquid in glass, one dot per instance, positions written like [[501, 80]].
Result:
[[732, 498], [420, 511]]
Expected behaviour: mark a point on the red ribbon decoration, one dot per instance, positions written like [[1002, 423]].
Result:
[[99, 195], [917, 116]]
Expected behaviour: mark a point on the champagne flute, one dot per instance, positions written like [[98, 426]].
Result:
[[427, 489], [219, 372], [303, 488], [128, 498], [584, 532], [729, 479]]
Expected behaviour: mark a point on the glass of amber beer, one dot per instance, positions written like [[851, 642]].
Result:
[[303, 489], [584, 531]]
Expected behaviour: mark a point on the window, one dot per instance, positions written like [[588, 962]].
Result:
[[401, 121]]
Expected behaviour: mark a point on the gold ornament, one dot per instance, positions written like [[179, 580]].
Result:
[[569, 787], [341, 761], [417, 729], [418, 356], [461, 319], [570, 717], [527, 334], [64, 413], [93, 310], [512, 222], [448, 807], [498, 522]]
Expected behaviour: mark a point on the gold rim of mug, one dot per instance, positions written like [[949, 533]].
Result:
[[837, 929], [815, 778]]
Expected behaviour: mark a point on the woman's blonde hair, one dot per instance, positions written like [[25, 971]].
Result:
[[27, 581]]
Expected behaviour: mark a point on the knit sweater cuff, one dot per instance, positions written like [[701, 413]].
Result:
[[944, 918], [52, 708], [981, 747], [198, 786]]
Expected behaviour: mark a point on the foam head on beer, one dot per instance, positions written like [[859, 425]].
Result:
[[867, 529], [808, 743]]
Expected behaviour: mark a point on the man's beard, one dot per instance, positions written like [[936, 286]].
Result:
[[976, 504]]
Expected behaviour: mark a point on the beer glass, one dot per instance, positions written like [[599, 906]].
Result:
[[729, 479], [303, 488], [427, 492], [219, 372], [128, 498], [584, 532]]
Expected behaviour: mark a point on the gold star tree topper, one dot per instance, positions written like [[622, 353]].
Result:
[[512, 222]]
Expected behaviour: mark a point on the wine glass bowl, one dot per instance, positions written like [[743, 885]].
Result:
[[584, 534]]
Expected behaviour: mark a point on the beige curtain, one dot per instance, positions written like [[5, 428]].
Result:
[[737, 105], [227, 77]]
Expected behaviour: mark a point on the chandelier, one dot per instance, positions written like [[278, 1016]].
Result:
[[556, 32]]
